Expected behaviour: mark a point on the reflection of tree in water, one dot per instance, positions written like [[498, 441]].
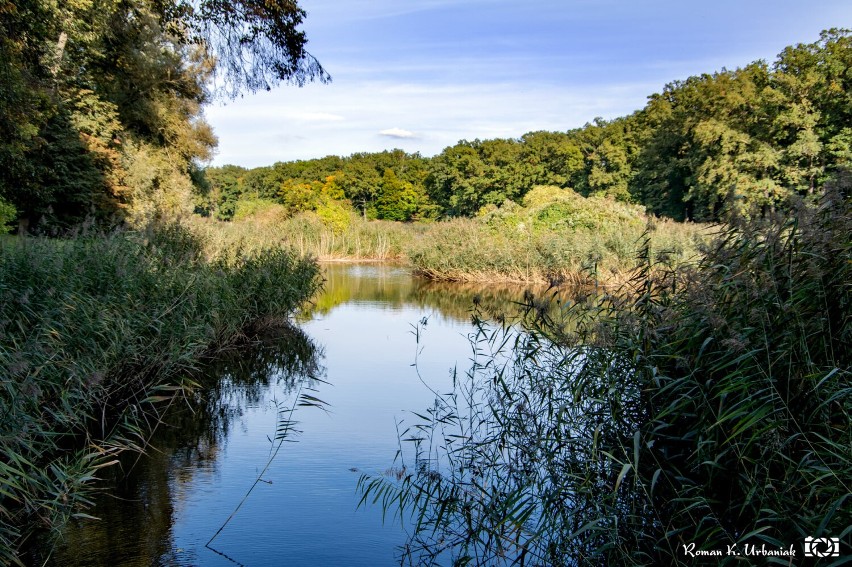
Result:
[[240, 378], [395, 287], [458, 300], [136, 508]]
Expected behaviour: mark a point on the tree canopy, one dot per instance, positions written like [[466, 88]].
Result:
[[100, 115], [100, 100]]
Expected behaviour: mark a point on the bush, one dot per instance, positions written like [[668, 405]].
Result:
[[8, 214]]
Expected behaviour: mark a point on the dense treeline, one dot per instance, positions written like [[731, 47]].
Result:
[[388, 185], [100, 100], [740, 141], [100, 115]]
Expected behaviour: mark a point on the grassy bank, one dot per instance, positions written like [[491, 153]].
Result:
[[96, 331], [693, 412], [557, 235], [309, 235]]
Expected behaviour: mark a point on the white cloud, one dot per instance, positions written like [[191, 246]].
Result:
[[264, 128], [397, 133]]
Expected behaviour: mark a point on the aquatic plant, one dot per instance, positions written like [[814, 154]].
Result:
[[695, 411]]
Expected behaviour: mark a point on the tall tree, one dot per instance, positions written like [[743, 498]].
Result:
[[101, 99]]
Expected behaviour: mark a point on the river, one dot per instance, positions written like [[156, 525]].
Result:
[[352, 360]]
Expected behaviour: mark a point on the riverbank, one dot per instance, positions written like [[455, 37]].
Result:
[[693, 411], [556, 236], [97, 333]]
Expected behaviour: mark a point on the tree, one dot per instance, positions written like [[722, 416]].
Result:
[[555, 158], [256, 43], [225, 185], [100, 100], [398, 199]]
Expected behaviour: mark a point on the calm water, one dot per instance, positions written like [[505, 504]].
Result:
[[354, 351]]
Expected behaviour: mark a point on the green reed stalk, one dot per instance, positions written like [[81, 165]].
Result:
[[98, 330], [694, 410]]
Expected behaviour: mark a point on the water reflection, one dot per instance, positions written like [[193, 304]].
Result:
[[388, 287], [136, 508], [209, 450]]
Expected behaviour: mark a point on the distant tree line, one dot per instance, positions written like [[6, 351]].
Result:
[[741, 141], [100, 117]]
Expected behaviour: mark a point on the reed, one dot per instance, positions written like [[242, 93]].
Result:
[[696, 409], [97, 332], [308, 235], [558, 237]]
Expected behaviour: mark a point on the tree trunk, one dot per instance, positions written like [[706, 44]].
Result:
[[60, 51]]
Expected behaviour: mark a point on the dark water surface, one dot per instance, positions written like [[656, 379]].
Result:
[[354, 351]]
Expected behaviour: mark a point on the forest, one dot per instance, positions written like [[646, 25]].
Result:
[[101, 119], [737, 141]]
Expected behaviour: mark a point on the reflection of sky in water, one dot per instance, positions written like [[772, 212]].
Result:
[[304, 513]]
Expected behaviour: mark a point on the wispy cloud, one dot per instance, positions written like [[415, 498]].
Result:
[[397, 133], [316, 117], [448, 70]]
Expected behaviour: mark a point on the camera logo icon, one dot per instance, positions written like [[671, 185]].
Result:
[[822, 547]]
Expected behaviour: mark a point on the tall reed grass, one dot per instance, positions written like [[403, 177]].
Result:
[[698, 410], [559, 236], [470, 250], [308, 235], [96, 332]]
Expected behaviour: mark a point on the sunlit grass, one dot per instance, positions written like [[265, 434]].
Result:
[[558, 237]]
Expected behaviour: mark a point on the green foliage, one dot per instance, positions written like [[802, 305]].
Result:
[[224, 186], [707, 406], [551, 208], [557, 235], [8, 214], [386, 185], [398, 200], [741, 142], [246, 208], [91, 86], [745, 141], [335, 215], [466, 177], [95, 331]]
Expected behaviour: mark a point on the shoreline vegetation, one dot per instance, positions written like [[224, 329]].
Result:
[[694, 410], [98, 333], [555, 236]]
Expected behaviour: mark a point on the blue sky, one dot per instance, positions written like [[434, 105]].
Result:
[[422, 74]]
